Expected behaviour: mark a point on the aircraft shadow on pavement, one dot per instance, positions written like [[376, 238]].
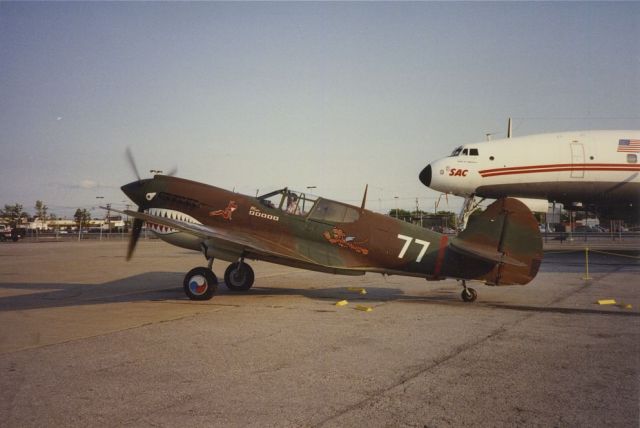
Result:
[[156, 286], [167, 286], [144, 287], [377, 294]]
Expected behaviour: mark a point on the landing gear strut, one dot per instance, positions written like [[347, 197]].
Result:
[[471, 204], [468, 294]]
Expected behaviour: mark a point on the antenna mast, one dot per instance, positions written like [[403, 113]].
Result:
[[364, 198]]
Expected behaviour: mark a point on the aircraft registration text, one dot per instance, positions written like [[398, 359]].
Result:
[[257, 213]]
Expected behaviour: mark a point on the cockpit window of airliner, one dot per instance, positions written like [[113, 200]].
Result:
[[456, 151], [473, 152], [465, 152]]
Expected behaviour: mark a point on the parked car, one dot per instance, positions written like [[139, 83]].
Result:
[[13, 234], [5, 232]]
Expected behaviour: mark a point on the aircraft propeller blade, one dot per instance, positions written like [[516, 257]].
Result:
[[173, 171], [135, 234], [132, 163]]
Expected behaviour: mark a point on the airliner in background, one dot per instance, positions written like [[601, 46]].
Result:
[[598, 170]]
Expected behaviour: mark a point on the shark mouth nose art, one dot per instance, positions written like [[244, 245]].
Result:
[[170, 214]]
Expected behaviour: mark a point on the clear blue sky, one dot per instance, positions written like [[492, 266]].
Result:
[[267, 95]]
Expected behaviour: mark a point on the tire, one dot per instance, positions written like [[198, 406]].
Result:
[[469, 295], [239, 279], [200, 284]]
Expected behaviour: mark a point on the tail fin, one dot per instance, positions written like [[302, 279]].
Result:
[[504, 242]]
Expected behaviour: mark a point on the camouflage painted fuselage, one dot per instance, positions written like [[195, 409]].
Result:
[[363, 241]]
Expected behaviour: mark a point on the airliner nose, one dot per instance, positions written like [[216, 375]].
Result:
[[425, 175]]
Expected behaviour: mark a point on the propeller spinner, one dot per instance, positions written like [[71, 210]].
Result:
[[137, 192]]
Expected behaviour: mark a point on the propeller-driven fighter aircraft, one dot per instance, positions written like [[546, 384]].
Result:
[[502, 246]]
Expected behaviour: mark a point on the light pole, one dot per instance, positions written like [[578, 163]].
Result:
[[109, 220], [100, 197], [155, 171], [396, 198]]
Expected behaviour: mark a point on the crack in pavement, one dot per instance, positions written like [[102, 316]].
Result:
[[457, 351]]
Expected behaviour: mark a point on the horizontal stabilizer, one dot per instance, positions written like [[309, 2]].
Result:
[[484, 253]]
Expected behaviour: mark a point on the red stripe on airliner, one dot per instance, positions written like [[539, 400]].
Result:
[[559, 165], [440, 258], [556, 168]]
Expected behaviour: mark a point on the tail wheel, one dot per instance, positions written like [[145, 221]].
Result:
[[469, 295], [200, 284], [239, 277]]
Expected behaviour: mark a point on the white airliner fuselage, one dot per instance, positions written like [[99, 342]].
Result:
[[592, 167]]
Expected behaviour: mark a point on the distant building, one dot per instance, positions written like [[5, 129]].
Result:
[[115, 223]]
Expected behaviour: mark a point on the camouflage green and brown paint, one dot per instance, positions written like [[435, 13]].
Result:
[[502, 246]]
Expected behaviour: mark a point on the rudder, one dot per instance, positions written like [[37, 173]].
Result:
[[507, 239]]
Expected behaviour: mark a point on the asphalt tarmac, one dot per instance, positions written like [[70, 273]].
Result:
[[87, 339]]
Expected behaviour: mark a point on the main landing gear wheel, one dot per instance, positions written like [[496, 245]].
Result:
[[200, 284], [469, 295], [239, 276]]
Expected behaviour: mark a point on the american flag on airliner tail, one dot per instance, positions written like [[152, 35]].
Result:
[[629, 146]]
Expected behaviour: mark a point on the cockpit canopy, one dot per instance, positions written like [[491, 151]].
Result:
[[334, 212], [463, 151], [313, 207], [291, 201]]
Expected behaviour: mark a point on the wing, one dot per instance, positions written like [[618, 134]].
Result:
[[242, 242]]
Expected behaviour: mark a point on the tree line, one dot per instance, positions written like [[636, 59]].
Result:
[[15, 214]]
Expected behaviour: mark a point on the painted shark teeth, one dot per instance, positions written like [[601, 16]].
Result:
[[169, 214]]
